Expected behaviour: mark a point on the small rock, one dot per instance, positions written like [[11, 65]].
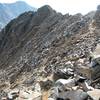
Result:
[[37, 87], [46, 85], [29, 95], [29, 81], [50, 99], [13, 94], [63, 84], [63, 73], [85, 86], [4, 98]]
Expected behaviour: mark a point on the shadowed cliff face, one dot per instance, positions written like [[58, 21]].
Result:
[[34, 40]]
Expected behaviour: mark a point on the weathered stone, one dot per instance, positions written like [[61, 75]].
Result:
[[31, 42], [95, 62], [85, 86], [51, 99], [13, 94], [74, 95], [94, 94], [63, 84], [29, 81], [84, 71], [63, 73], [29, 95], [3, 94], [37, 87], [46, 85]]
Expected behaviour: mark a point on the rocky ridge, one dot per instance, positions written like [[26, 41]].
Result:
[[36, 45]]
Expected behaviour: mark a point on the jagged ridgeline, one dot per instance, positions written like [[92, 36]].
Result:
[[45, 40]]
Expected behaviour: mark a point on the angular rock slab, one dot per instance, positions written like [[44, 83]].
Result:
[[30, 96], [74, 95], [95, 94]]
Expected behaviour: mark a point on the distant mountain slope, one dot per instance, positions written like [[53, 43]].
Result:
[[12, 10]]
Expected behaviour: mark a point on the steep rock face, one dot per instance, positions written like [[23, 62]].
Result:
[[19, 29], [26, 33], [44, 39], [10, 11]]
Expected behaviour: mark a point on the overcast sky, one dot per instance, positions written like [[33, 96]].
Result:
[[64, 6]]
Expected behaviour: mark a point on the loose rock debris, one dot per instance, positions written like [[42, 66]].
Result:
[[72, 87]]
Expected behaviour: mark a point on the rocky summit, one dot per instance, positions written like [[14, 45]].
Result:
[[46, 51]]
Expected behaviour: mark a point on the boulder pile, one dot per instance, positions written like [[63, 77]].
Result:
[[65, 83], [50, 56]]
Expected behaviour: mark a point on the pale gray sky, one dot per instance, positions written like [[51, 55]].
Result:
[[64, 6]]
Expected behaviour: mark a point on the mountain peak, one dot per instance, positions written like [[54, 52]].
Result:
[[20, 2], [17, 2], [46, 9]]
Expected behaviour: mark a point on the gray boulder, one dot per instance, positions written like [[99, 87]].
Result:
[[63, 73], [95, 62], [74, 95], [95, 94]]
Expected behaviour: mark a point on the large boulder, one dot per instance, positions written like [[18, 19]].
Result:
[[63, 84], [95, 62], [73, 95], [63, 73], [95, 94]]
